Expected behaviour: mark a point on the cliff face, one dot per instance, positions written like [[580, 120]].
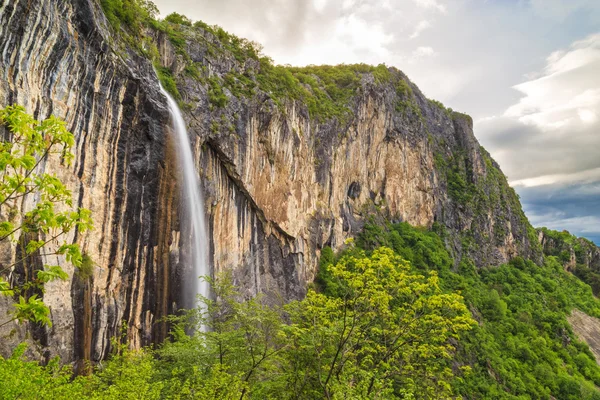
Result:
[[55, 59], [572, 251], [280, 181]]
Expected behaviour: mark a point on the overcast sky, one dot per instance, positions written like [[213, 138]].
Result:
[[528, 71]]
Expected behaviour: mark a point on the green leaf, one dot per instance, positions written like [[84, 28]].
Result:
[[6, 228], [5, 288], [52, 273], [33, 246], [32, 309]]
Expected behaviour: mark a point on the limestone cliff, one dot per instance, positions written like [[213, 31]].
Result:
[[570, 250], [283, 175]]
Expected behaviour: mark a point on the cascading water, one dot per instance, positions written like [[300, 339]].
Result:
[[193, 199]]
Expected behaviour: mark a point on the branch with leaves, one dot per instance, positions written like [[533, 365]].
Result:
[[26, 146]]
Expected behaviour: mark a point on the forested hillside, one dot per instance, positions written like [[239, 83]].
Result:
[[363, 245]]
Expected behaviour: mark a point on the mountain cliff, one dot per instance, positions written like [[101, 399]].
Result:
[[291, 160]]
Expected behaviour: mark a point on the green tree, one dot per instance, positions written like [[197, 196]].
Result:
[[26, 146], [386, 334], [241, 338]]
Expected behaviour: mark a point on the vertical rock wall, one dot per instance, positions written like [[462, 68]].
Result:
[[279, 186], [55, 59]]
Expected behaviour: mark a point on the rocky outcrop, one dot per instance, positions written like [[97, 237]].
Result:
[[570, 250], [280, 184], [587, 329]]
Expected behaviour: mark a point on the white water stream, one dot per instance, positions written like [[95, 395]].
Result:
[[193, 200]]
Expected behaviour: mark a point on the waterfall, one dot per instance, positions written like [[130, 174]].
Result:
[[193, 199]]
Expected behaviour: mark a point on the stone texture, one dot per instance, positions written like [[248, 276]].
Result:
[[55, 59], [587, 329], [278, 185], [572, 252]]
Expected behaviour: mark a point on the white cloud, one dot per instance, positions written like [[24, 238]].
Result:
[[420, 28], [423, 51], [434, 4], [351, 40], [551, 135], [587, 176], [567, 93], [320, 5]]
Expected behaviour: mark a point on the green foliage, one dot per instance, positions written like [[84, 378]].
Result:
[[458, 115], [441, 106], [327, 91], [424, 249], [174, 27], [178, 19], [86, 269], [331, 89], [242, 49], [240, 85], [385, 326], [457, 170], [129, 14], [559, 236], [29, 143], [278, 82], [563, 245], [168, 82], [523, 346], [28, 380], [193, 72], [588, 276], [216, 96], [129, 375], [379, 327]]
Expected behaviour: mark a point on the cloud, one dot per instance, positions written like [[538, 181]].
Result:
[[551, 134], [559, 10], [421, 26], [431, 4], [548, 140], [568, 89], [423, 51], [572, 207]]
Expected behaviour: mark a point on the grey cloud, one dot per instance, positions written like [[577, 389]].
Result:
[[554, 128], [574, 207], [525, 151]]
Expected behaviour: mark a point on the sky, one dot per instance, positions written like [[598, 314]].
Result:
[[527, 71]]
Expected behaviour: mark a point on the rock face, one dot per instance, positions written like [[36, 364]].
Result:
[[587, 329], [570, 250], [55, 59], [279, 183]]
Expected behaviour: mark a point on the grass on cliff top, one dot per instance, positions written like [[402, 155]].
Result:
[[327, 91]]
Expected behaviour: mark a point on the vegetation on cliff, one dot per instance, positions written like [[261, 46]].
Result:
[[522, 346], [379, 329], [391, 316], [327, 91], [579, 255], [388, 317]]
